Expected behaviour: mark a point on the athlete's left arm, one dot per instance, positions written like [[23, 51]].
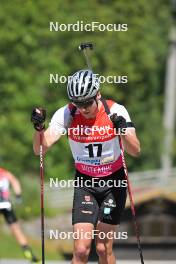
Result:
[[131, 143]]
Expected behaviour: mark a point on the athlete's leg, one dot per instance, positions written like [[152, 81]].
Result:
[[84, 217], [17, 232], [104, 243], [82, 245], [14, 226], [110, 213]]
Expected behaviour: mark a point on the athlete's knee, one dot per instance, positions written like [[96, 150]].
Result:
[[101, 250], [81, 252]]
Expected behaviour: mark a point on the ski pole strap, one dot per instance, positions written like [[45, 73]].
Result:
[[107, 110]]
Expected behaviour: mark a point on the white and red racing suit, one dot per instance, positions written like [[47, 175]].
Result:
[[95, 147]]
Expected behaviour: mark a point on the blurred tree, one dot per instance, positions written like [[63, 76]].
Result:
[[29, 52]]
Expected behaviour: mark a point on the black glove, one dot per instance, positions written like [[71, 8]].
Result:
[[19, 199], [118, 121], [38, 117]]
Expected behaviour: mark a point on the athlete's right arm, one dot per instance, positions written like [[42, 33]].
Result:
[[49, 138]]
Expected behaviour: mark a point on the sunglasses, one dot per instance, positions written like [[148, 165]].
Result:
[[84, 104]]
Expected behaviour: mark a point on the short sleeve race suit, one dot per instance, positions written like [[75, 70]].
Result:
[[95, 147]]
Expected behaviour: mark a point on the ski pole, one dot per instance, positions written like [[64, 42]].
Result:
[[42, 196], [132, 208]]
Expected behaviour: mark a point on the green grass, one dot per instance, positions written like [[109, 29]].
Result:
[[10, 249]]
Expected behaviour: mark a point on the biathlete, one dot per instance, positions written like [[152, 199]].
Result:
[[92, 124], [7, 179]]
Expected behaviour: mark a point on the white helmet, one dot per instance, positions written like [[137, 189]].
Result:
[[82, 86]]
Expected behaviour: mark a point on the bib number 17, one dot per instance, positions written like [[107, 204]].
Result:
[[95, 150]]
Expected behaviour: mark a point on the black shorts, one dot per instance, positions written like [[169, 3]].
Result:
[[9, 215], [103, 202]]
